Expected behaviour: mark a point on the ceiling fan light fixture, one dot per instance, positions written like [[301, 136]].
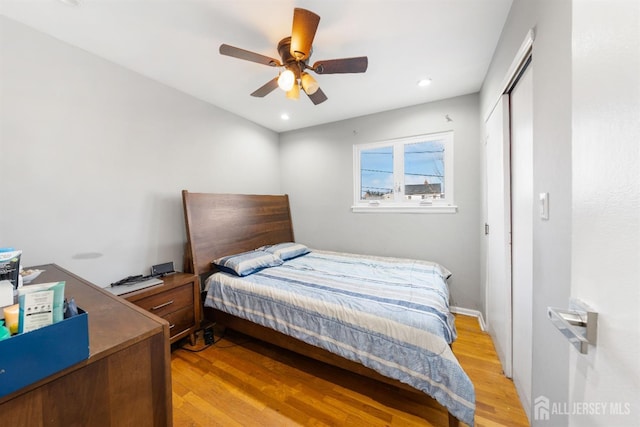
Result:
[[295, 51], [294, 92], [286, 80], [309, 84]]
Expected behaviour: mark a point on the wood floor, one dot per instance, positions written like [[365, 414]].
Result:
[[244, 382]]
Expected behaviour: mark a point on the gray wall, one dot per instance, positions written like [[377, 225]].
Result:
[[552, 174], [93, 159], [317, 173]]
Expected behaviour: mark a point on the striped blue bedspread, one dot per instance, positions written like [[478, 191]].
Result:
[[389, 314]]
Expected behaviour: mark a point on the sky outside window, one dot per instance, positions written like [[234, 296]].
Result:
[[423, 163]]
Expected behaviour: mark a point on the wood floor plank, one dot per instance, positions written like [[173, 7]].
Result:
[[245, 382]]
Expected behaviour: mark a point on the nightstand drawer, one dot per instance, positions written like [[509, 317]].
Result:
[[177, 300], [179, 321], [169, 301]]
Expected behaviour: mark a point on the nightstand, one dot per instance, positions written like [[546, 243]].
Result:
[[177, 301]]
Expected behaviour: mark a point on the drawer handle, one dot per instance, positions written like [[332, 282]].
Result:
[[158, 307], [172, 326]]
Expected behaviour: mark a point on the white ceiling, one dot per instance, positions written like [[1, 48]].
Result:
[[176, 42]]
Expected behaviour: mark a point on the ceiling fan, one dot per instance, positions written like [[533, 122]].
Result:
[[295, 52]]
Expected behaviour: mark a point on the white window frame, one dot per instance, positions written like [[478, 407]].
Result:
[[398, 204]]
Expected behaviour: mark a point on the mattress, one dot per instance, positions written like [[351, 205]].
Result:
[[389, 314]]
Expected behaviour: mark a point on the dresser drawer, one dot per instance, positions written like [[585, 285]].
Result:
[[167, 302], [180, 321]]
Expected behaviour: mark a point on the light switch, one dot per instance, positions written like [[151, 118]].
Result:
[[544, 206]]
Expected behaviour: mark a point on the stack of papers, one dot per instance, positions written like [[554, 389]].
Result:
[[125, 289]]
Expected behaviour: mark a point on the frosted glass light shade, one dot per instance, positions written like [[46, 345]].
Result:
[[286, 80], [294, 92], [309, 84]]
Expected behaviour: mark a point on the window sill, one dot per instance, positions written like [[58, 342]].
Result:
[[431, 209]]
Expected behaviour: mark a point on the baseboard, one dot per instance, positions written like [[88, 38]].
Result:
[[470, 312]]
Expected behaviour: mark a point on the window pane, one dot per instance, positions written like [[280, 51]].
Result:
[[376, 173], [424, 170]]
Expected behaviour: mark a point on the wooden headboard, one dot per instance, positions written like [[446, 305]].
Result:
[[224, 224]]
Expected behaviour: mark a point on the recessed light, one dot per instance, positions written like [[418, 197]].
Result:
[[424, 82], [284, 116]]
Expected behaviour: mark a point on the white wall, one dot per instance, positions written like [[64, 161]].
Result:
[[606, 207], [552, 173], [317, 173], [93, 158]]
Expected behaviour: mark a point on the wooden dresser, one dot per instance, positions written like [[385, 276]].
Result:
[[125, 382]]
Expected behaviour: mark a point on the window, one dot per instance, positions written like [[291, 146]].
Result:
[[413, 174]]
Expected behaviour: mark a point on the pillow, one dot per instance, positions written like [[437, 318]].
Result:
[[288, 250], [246, 263]]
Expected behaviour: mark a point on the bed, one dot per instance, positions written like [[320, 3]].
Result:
[[385, 318]]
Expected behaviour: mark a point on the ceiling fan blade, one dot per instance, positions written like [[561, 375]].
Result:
[[303, 31], [318, 97], [266, 89], [236, 52], [344, 65]]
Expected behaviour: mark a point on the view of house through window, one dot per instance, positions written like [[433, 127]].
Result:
[[408, 171]]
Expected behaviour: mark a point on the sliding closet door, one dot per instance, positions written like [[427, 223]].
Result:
[[522, 209], [497, 230]]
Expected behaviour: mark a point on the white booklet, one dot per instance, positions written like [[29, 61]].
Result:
[[38, 310]]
